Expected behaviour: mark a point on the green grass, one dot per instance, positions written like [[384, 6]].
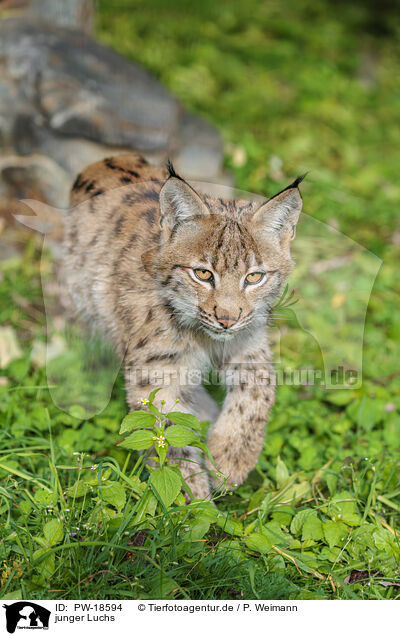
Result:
[[291, 88]]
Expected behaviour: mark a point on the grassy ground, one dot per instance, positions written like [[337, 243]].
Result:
[[298, 88]]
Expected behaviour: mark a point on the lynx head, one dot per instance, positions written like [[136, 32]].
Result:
[[221, 264]]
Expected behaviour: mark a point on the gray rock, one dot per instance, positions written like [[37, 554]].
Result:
[[67, 98], [77, 14], [83, 89]]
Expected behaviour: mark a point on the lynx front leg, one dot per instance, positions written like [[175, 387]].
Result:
[[237, 438]]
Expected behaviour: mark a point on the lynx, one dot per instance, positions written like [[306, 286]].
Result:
[[182, 282]]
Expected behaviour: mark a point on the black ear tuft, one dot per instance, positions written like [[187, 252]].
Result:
[[294, 184], [297, 181], [172, 173]]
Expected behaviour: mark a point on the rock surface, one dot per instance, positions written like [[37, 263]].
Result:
[[66, 100]]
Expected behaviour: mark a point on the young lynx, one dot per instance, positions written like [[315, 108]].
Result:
[[181, 283]]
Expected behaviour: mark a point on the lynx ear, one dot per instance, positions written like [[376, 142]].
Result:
[[278, 217], [179, 202]]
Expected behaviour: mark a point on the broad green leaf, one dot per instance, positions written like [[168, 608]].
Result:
[[283, 515], [180, 500], [79, 489], [25, 507], [167, 484], [295, 492], [329, 554], [137, 419], [206, 512], [53, 532], [273, 532], [386, 542], [258, 542], [45, 498], [343, 507], [281, 474], [46, 566], [42, 541], [113, 494], [179, 436], [312, 528], [335, 533], [299, 519], [78, 412], [139, 440], [198, 528], [339, 397], [17, 595], [184, 419], [230, 526], [137, 486]]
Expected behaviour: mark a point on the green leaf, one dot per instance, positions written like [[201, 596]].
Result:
[[335, 533], [78, 412], [78, 489], [25, 507], [344, 508], [281, 474], [113, 494], [295, 492], [166, 483], [198, 528], [153, 395], [137, 419], [258, 542], [45, 498], [46, 567], [139, 440], [273, 532], [161, 452], [229, 525], [312, 528], [339, 397], [179, 436], [299, 519], [53, 532], [184, 419]]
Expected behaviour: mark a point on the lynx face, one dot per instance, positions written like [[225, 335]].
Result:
[[221, 264]]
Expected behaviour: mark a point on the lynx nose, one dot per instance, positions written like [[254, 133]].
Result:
[[225, 321]]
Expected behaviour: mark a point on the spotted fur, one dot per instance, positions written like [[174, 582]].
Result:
[[134, 236]]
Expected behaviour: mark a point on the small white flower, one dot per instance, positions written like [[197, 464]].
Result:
[[94, 466], [142, 401]]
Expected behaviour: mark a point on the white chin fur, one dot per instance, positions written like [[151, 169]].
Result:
[[223, 335]]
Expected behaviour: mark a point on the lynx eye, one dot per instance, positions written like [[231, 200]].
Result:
[[203, 274], [254, 277]]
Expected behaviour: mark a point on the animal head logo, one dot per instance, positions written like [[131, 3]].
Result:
[[26, 615]]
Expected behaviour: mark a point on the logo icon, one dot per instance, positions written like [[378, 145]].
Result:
[[26, 615]]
